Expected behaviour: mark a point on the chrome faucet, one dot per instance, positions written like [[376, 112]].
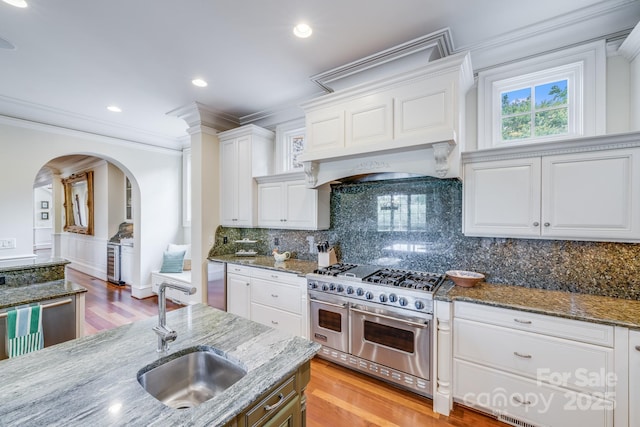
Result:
[[166, 335]]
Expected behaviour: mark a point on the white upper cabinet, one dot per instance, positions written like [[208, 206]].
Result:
[[245, 152], [589, 195], [284, 201]]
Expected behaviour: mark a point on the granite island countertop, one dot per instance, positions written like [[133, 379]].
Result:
[[12, 296], [92, 380], [590, 308], [295, 266]]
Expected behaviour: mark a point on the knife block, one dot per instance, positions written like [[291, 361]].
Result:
[[326, 259]]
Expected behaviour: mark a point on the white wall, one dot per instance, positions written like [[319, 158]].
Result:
[[26, 147]]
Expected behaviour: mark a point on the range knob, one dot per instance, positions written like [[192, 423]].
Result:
[[332, 287], [350, 290], [369, 295], [393, 298], [403, 301], [419, 305], [340, 288], [325, 287], [313, 285], [383, 298], [360, 292]]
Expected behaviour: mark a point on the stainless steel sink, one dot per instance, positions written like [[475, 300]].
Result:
[[189, 377]]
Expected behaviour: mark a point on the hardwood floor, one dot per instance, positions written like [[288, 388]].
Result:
[[336, 396]]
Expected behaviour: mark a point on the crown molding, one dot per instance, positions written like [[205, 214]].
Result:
[[43, 114], [630, 48], [75, 133], [438, 43], [197, 114]]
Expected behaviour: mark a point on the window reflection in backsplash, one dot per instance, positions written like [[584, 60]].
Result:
[[426, 234]]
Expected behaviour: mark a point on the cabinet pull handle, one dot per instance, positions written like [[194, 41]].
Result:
[[274, 276], [275, 405], [524, 322], [273, 322], [274, 295], [53, 304], [524, 356], [638, 347], [547, 224], [522, 402], [535, 224]]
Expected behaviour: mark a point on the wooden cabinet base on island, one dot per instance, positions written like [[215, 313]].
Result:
[[284, 405]]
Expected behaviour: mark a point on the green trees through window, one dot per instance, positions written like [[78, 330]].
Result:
[[535, 111]]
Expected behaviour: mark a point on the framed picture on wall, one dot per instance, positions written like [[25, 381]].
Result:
[[44, 205], [44, 215]]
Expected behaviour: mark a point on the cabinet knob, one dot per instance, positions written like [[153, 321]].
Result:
[[248, 284], [535, 224], [546, 224], [638, 347]]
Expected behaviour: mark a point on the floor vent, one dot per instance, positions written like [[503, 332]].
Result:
[[514, 421]]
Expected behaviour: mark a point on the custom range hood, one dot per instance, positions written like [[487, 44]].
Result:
[[409, 122]]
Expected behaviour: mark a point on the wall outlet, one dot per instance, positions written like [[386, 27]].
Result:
[[2, 282], [276, 241], [225, 240], [9, 243]]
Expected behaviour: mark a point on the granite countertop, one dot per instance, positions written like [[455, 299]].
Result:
[[590, 308], [11, 296], [93, 380], [22, 264], [295, 266]]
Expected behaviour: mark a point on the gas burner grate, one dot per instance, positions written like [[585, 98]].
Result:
[[334, 269], [405, 279]]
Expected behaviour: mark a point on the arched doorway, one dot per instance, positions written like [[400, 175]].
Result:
[[114, 200]]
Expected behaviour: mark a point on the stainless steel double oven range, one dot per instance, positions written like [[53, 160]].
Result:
[[375, 320]]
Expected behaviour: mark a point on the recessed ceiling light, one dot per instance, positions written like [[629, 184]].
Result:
[[302, 30], [114, 109], [16, 3], [199, 83]]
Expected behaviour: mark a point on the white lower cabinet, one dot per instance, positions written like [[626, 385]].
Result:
[[238, 294], [634, 378], [531, 368], [270, 297]]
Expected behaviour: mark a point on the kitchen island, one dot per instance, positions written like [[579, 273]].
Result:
[[93, 380]]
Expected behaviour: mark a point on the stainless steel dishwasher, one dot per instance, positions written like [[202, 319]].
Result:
[[58, 322], [217, 284]]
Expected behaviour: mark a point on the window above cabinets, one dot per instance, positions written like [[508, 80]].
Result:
[[291, 137], [547, 98]]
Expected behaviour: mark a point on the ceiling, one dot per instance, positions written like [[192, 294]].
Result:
[[74, 58]]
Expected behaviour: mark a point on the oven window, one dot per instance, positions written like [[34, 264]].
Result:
[[389, 336], [330, 320]]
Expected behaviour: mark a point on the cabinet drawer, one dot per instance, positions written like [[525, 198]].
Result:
[[280, 277], [285, 297], [239, 269], [271, 404], [282, 320], [507, 395], [587, 332], [561, 362]]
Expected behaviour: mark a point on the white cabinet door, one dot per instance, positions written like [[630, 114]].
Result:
[[592, 195], [325, 130], [229, 182], [247, 186], [369, 121], [271, 205], [238, 294], [301, 206], [502, 198], [126, 264], [634, 378]]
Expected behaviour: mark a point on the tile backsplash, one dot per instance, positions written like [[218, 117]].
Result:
[[416, 223]]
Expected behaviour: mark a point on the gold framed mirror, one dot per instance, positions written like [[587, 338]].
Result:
[[78, 203]]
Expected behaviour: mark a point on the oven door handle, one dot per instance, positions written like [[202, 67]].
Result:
[[343, 305], [395, 319]]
